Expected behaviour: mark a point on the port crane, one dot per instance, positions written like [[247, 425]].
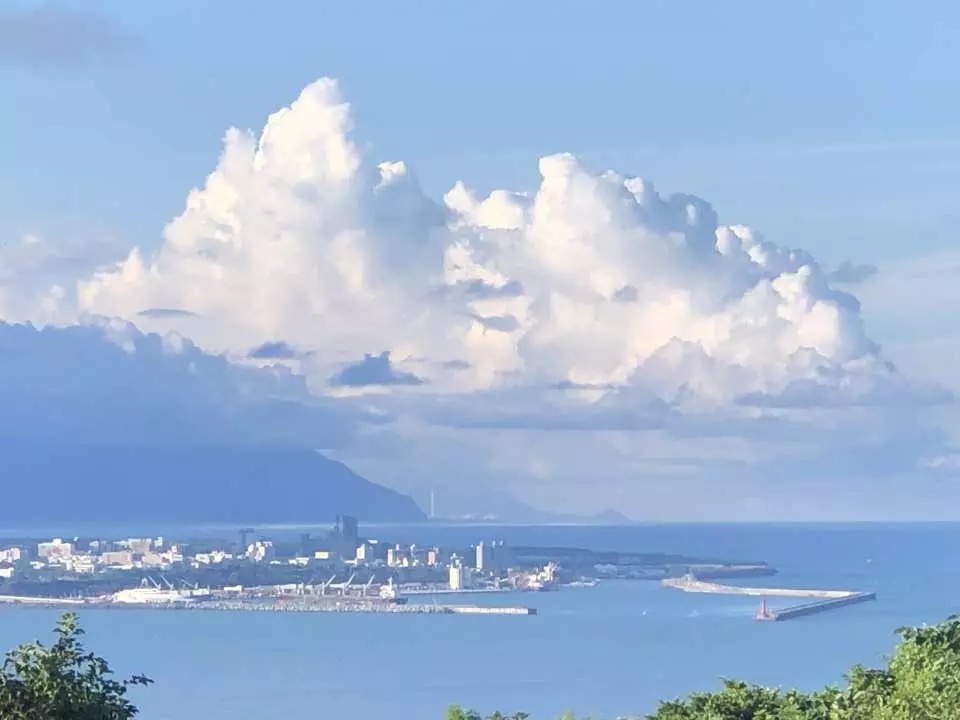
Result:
[[326, 585], [345, 585], [366, 587]]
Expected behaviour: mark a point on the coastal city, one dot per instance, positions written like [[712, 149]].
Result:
[[340, 570], [343, 571]]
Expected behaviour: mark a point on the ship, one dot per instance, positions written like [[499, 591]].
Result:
[[150, 592]]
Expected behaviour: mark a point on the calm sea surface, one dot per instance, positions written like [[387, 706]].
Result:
[[606, 651]]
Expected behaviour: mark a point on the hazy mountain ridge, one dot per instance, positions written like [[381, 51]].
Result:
[[50, 482]]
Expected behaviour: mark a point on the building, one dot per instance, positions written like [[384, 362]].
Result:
[[6, 571], [366, 553], [458, 576], [140, 546], [11, 555], [349, 528], [397, 557], [433, 557], [117, 557], [56, 549], [261, 551], [484, 560]]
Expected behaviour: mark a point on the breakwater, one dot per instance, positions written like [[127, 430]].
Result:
[[692, 584], [278, 604], [823, 600], [813, 607]]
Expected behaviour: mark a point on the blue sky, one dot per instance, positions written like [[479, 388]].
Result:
[[829, 127]]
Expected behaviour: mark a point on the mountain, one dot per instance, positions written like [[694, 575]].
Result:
[[480, 504], [609, 517], [54, 483], [102, 423]]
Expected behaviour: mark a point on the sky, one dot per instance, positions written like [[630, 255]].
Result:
[[688, 260]]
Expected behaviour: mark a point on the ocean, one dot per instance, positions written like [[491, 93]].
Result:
[[608, 651]]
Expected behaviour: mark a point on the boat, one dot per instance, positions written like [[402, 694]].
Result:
[[158, 596], [150, 592]]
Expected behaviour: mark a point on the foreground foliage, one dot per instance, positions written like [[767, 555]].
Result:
[[920, 682], [63, 681]]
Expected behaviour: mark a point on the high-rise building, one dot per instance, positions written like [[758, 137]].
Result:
[[484, 558], [458, 576], [349, 527]]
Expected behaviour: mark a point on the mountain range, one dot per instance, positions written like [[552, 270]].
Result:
[[62, 482]]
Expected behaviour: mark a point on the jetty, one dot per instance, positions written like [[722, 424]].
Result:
[[821, 600]]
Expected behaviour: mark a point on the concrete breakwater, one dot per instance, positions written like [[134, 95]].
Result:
[[692, 584], [287, 604], [814, 607], [823, 599]]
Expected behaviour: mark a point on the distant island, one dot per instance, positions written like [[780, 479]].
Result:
[[132, 483]]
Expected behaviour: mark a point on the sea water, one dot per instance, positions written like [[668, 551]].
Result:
[[607, 651]]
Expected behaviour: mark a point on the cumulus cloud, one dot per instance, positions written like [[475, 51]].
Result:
[[593, 279], [51, 34], [592, 303]]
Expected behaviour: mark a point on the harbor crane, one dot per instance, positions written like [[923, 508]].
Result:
[[326, 585], [344, 586], [366, 587]]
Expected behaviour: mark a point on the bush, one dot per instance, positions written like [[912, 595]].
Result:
[[63, 681]]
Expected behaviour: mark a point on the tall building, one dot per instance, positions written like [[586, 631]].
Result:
[[349, 527], [458, 576], [484, 559]]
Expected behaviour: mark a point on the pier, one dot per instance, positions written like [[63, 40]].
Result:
[[823, 600]]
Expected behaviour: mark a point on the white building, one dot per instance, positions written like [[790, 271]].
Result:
[[484, 557], [261, 551], [11, 555], [459, 576], [55, 549]]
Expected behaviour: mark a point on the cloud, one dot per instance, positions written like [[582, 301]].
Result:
[[273, 351], [590, 304], [52, 34], [107, 382], [165, 313], [38, 277], [849, 274], [585, 280], [373, 370]]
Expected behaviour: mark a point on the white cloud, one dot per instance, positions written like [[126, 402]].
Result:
[[38, 277], [591, 304], [593, 279]]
